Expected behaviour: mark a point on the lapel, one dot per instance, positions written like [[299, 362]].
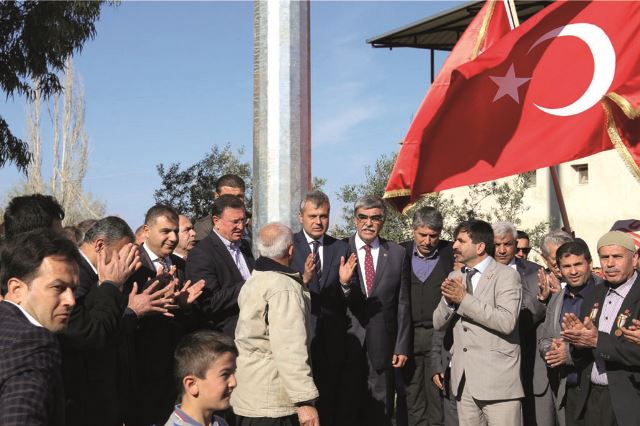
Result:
[[557, 310], [245, 249], [381, 264], [146, 260], [629, 303], [224, 255], [352, 246], [485, 279], [328, 257]]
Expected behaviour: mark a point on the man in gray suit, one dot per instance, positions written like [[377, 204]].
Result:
[[574, 263], [537, 405], [484, 304]]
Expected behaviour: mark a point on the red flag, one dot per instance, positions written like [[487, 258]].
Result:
[[488, 26], [537, 98]]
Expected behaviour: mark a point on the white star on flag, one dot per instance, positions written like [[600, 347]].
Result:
[[508, 85]]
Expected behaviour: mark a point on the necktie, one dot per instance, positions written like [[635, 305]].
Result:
[[369, 271], [470, 273], [316, 259], [161, 266]]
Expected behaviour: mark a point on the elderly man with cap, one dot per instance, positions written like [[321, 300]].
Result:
[[607, 363]]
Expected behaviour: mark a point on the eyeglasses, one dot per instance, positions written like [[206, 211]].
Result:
[[524, 250], [375, 219]]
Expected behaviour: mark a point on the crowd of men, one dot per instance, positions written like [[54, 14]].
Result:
[[340, 332]]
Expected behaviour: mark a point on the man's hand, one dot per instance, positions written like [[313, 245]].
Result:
[[543, 286], [347, 268], [398, 361], [121, 265], [554, 284], [308, 416], [632, 334], [309, 269], [453, 290], [146, 302], [188, 293], [584, 335], [438, 380], [557, 355]]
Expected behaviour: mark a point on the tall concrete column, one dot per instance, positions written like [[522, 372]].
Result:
[[281, 111]]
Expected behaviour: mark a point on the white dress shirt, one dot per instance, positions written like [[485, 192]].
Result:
[[236, 255], [156, 259], [31, 319], [480, 267], [320, 247]]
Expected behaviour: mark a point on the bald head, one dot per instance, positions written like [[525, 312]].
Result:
[[275, 241]]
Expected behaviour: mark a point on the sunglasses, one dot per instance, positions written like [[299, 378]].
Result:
[[524, 250]]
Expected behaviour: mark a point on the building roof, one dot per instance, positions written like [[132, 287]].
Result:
[[441, 31]]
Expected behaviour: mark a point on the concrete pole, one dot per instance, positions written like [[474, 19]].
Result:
[[281, 111]]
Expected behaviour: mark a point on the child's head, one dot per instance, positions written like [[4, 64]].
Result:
[[205, 369]]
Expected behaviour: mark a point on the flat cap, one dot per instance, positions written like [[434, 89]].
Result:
[[617, 238]]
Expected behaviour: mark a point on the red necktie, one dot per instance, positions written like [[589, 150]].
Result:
[[369, 272]]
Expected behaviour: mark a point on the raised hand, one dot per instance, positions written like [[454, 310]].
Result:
[[347, 268], [149, 301], [632, 333], [582, 335], [188, 293], [554, 284], [453, 290], [543, 286], [309, 269], [122, 264]]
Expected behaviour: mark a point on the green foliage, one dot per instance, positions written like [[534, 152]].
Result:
[[190, 190], [318, 183], [490, 201], [36, 39]]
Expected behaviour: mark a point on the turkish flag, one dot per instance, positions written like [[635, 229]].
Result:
[[541, 95], [488, 26]]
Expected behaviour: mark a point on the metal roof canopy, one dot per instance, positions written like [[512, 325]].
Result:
[[442, 31]]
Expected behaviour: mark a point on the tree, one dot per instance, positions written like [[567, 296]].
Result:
[[490, 201], [190, 191], [69, 150], [36, 39]]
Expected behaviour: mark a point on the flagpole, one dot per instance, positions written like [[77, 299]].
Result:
[[512, 13]]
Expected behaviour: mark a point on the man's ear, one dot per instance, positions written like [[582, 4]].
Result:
[[190, 385], [16, 290], [481, 248], [290, 251], [99, 245]]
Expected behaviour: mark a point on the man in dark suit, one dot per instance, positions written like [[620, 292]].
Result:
[[607, 390], [377, 296], [38, 271], [89, 353], [229, 184], [224, 261], [431, 261], [537, 405], [152, 338], [321, 259]]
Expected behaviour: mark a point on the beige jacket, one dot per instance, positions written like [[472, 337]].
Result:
[[273, 338]]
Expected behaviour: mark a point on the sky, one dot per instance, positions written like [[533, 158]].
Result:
[[165, 81]]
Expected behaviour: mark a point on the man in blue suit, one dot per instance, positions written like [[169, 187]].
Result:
[[324, 263]]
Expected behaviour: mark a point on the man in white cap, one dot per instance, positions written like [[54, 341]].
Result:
[[607, 363]]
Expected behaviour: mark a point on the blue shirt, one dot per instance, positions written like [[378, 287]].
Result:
[[423, 266]]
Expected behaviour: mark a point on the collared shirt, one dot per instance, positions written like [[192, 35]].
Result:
[[423, 266], [236, 255], [157, 260], [320, 247], [180, 418], [375, 250], [480, 267], [88, 261], [610, 307], [31, 319], [572, 304], [513, 265]]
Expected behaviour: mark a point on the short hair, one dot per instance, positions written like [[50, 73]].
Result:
[[503, 228], [274, 240], [22, 255], [231, 180], [72, 233], [226, 201], [111, 228], [316, 198], [370, 202], [196, 351], [84, 226], [29, 212], [522, 235], [479, 231], [427, 216], [576, 248], [557, 237], [160, 210]]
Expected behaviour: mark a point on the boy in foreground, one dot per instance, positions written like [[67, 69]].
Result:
[[205, 365]]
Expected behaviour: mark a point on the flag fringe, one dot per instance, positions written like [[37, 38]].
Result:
[[624, 105], [616, 140]]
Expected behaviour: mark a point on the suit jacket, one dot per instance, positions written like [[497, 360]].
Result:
[[89, 353], [210, 260], [382, 321], [622, 358], [328, 305], [550, 330], [532, 314], [31, 391], [486, 343]]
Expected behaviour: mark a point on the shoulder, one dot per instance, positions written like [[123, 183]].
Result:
[[503, 271], [392, 247], [219, 421], [268, 282]]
